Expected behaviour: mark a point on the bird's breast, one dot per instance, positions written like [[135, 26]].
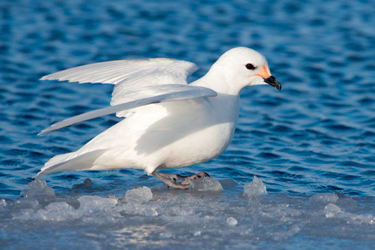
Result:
[[202, 135]]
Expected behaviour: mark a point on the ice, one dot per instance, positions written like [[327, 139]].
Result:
[[88, 206], [3, 202], [334, 211], [134, 208], [159, 217], [206, 184], [232, 221], [197, 233], [141, 194], [37, 195], [39, 189], [255, 188], [331, 210], [324, 198]]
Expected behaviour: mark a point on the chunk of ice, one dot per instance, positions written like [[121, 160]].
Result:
[[205, 184], [39, 189], [232, 222], [331, 210], [27, 203], [255, 188], [324, 198], [37, 194], [92, 208], [58, 211], [141, 194], [334, 211], [3, 202], [363, 219], [197, 233]]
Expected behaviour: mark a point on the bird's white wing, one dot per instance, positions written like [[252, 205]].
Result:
[[134, 72], [129, 76], [149, 94]]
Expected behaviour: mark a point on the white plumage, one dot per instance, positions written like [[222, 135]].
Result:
[[169, 123]]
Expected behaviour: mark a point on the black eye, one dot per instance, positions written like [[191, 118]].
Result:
[[250, 66]]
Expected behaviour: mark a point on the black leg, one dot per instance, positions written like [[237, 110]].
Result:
[[171, 179]]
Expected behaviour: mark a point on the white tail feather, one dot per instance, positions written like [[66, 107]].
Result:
[[67, 162]]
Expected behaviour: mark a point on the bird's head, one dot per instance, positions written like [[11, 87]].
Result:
[[245, 67]]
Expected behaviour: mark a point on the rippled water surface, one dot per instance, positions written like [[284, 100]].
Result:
[[315, 136]]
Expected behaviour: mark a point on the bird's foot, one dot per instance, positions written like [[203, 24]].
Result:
[[186, 180], [178, 181]]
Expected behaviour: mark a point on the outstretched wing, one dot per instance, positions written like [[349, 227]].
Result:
[[129, 76], [132, 71], [142, 96]]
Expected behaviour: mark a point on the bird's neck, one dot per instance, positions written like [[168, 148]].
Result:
[[215, 79]]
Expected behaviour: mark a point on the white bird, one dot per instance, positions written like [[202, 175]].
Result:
[[169, 123]]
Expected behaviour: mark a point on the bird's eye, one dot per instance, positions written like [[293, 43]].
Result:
[[250, 66]]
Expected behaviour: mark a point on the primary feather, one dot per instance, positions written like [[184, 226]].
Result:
[[138, 98]]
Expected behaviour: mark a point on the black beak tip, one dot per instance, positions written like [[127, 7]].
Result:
[[272, 81]]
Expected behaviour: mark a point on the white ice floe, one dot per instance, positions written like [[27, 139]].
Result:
[[169, 218]]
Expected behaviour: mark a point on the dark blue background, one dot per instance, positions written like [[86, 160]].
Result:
[[316, 135]]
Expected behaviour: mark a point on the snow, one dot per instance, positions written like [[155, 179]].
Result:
[[212, 214]]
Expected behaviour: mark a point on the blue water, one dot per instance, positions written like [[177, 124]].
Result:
[[315, 136]]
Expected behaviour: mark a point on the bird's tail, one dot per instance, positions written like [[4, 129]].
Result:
[[71, 162]]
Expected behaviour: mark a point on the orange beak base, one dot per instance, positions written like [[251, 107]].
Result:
[[264, 72], [271, 80]]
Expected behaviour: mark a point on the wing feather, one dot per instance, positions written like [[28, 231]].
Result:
[[168, 93], [137, 83], [114, 72]]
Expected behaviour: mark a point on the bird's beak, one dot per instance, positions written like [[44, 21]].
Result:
[[268, 78]]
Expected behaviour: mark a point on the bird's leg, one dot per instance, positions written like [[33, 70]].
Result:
[[171, 179], [166, 179]]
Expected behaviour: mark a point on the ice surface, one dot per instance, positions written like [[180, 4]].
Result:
[[160, 217], [205, 184], [141, 194], [333, 211], [255, 188]]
